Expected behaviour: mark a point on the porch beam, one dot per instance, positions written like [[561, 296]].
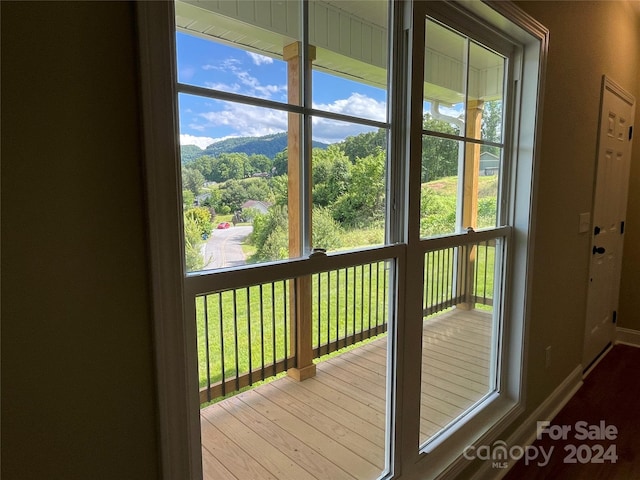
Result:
[[470, 196]]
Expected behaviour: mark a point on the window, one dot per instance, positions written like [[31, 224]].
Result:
[[434, 175], [284, 141]]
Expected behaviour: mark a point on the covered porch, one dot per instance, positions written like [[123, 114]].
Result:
[[333, 425]]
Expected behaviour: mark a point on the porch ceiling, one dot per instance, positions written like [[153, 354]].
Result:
[[350, 39]]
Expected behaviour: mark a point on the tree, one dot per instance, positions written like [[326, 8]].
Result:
[[229, 166], [260, 164], [234, 194], [492, 124], [280, 163], [439, 155], [331, 172], [192, 244], [187, 198], [280, 187], [364, 144], [192, 180], [258, 189], [201, 217], [271, 236], [364, 202]]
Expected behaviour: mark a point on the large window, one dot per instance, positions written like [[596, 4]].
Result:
[[353, 195]]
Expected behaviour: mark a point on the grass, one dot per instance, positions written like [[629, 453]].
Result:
[[253, 325], [344, 302]]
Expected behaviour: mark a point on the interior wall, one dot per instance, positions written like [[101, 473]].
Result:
[[78, 397], [77, 379], [629, 307], [607, 43]]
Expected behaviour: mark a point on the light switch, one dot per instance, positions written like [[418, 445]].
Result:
[[585, 222]]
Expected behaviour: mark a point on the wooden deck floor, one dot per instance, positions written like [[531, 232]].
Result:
[[333, 425]]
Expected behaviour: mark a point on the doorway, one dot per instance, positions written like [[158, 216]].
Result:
[[609, 212]]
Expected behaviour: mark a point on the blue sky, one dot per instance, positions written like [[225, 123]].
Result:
[[212, 65]]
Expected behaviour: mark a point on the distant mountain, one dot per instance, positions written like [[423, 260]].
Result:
[[190, 152], [269, 145]]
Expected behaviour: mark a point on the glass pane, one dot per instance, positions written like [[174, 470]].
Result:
[[235, 183], [350, 65], [333, 424], [488, 183], [445, 73], [484, 107], [211, 64], [459, 331], [440, 205], [348, 185]]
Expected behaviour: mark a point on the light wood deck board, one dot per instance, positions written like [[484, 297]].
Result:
[[333, 425]]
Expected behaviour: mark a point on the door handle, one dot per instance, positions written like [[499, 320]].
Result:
[[600, 250]]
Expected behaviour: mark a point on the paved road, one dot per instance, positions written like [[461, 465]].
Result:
[[224, 248]]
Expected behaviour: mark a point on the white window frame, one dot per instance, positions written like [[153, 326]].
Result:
[[174, 332]]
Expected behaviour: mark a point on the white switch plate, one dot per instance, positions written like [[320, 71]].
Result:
[[584, 222]]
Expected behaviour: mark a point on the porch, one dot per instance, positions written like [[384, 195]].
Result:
[[333, 424]]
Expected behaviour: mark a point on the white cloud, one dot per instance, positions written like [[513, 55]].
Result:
[[252, 85], [186, 73], [247, 120], [357, 105], [202, 142], [331, 131], [260, 59], [225, 87]]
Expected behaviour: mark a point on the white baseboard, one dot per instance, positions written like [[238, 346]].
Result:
[[526, 433], [626, 336]]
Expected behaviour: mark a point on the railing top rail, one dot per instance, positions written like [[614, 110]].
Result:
[[204, 282], [465, 238]]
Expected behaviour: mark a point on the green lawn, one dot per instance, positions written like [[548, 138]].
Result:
[[344, 303]]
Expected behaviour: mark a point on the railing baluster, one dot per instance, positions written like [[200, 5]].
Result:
[[206, 345], [337, 305], [385, 306], [369, 310], [486, 267], [286, 332], [319, 276], [328, 309], [355, 301], [261, 331], [273, 326], [220, 322], [235, 335], [361, 300], [249, 334]]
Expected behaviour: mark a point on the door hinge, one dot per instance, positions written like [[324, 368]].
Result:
[[621, 227], [596, 230], [615, 316], [630, 132]]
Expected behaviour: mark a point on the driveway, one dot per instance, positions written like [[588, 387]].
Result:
[[224, 247]]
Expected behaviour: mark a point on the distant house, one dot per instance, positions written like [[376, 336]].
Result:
[[489, 163], [262, 207], [200, 199]]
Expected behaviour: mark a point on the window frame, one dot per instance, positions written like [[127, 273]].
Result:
[[174, 334]]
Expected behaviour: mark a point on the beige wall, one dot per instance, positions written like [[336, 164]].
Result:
[[77, 380], [77, 363], [587, 40]]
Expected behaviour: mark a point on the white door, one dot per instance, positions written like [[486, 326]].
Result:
[[609, 211]]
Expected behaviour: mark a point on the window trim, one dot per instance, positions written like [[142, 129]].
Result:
[[174, 338]]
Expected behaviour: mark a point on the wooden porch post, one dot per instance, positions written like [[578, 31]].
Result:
[[470, 198], [300, 288]]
